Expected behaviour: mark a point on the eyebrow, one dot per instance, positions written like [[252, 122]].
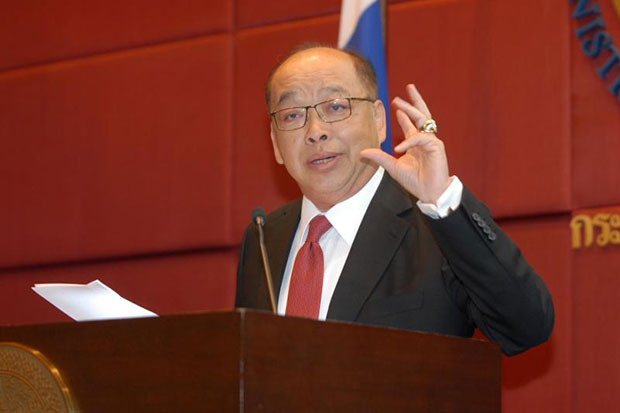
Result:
[[326, 90], [285, 96]]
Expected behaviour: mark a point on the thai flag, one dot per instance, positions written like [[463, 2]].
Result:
[[361, 29]]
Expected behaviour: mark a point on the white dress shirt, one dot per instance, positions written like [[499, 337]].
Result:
[[346, 218]]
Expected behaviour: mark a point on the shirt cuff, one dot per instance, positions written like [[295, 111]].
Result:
[[447, 202]]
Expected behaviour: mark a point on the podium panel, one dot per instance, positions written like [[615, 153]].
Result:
[[254, 361]]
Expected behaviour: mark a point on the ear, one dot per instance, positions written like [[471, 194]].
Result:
[[380, 121], [276, 149]]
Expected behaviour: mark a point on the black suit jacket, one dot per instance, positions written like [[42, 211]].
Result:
[[409, 271]]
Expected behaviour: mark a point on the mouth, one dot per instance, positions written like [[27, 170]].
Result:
[[323, 160]]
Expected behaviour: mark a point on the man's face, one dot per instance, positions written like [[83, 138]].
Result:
[[324, 158]]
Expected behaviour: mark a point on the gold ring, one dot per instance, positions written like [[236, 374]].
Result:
[[430, 126]]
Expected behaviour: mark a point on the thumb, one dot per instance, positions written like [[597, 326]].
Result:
[[388, 162]]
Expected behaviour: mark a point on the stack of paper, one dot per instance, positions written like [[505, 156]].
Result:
[[93, 301]]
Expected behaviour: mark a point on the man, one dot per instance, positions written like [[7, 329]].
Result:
[[411, 248]]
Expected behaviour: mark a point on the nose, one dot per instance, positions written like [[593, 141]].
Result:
[[316, 129]]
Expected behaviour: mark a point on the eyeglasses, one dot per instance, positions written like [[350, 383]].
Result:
[[333, 110]]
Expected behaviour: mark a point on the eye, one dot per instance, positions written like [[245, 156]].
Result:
[[290, 115], [337, 106]]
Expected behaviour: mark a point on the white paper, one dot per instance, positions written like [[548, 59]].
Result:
[[92, 301]]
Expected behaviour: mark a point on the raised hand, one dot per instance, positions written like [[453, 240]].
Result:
[[422, 169]]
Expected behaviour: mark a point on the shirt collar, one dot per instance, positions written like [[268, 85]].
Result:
[[345, 216]]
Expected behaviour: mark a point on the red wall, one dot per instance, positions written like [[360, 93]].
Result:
[[135, 144]]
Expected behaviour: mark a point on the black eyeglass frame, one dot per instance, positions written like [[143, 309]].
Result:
[[349, 99]]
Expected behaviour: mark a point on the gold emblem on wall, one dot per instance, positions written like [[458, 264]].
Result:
[[29, 382], [616, 4], [596, 228]]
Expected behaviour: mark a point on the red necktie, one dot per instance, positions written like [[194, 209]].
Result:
[[304, 293]]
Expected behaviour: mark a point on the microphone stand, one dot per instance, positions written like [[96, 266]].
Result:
[[260, 221]]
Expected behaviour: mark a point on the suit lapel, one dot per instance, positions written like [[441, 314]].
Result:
[[379, 236], [278, 239]]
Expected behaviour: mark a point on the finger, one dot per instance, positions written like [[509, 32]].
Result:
[[406, 124], [417, 100], [415, 114], [388, 162], [428, 142]]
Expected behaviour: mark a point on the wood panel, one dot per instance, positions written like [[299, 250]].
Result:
[[120, 154], [360, 368], [250, 13], [35, 32], [154, 364], [541, 378], [595, 120], [596, 305], [169, 284], [497, 84]]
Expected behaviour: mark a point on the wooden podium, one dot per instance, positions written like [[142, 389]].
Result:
[[254, 361]]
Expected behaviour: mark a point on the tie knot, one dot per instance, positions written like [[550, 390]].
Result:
[[318, 226]]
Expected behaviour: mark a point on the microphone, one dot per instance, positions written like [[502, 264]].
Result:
[[258, 218]]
